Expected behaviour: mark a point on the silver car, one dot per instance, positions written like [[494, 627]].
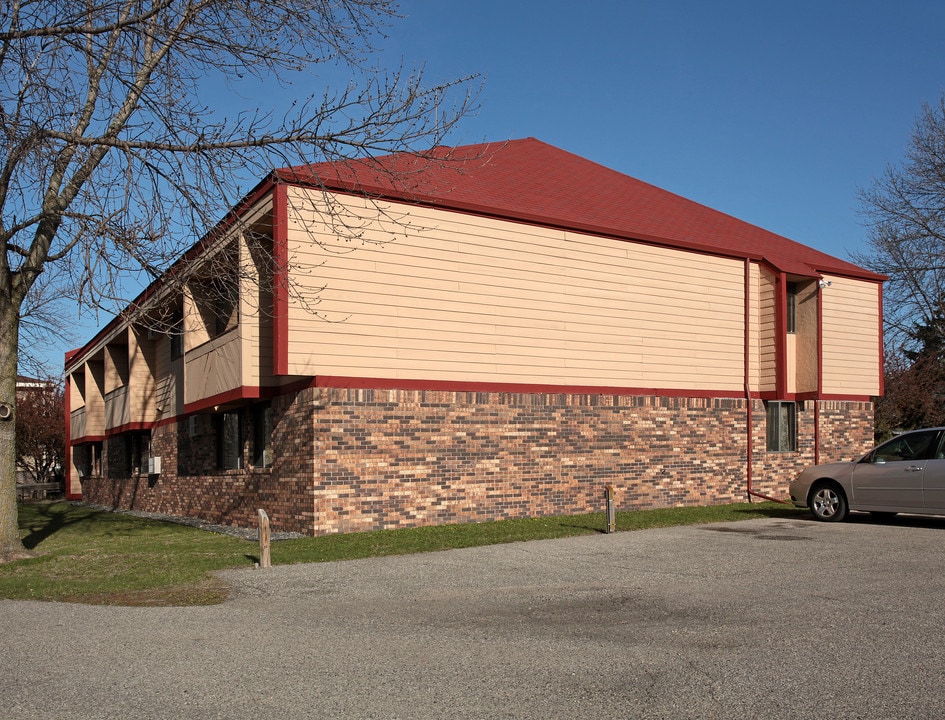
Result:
[[903, 475]]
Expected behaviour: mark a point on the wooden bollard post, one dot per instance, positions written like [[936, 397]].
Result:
[[265, 539], [611, 510]]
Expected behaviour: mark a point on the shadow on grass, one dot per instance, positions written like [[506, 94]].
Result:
[[51, 519]]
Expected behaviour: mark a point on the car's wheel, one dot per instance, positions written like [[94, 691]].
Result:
[[827, 502]]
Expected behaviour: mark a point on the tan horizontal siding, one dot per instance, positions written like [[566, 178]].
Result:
[[851, 346], [767, 347], [467, 298], [255, 329], [754, 328], [76, 400]]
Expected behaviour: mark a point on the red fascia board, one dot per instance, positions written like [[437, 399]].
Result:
[[245, 392], [362, 383], [809, 395], [87, 439], [129, 427], [463, 386], [369, 383]]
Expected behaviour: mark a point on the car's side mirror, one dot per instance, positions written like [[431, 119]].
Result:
[[878, 460]]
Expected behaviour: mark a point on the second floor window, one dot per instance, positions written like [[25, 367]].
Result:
[[792, 307]]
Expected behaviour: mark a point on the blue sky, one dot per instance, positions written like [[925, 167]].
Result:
[[775, 113]]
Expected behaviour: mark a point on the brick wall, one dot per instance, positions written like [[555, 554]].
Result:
[[846, 430], [352, 459], [190, 485]]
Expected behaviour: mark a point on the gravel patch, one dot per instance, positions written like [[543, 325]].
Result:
[[231, 530]]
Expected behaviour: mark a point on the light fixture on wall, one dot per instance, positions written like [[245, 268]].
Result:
[[825, 284]]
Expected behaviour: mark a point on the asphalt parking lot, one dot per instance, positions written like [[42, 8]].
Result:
[[763, 618]]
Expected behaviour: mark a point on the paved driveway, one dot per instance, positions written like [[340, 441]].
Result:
[[758, 619]]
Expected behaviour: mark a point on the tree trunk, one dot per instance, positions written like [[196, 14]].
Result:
[[10, 544]]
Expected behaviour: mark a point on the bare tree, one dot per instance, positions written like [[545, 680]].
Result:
[[112, 162], [905, 212], [40, 435]]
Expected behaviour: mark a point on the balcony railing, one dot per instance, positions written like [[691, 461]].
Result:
[[213, 368], [117, 408]]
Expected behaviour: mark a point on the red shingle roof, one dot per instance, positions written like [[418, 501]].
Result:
[[530, 181]]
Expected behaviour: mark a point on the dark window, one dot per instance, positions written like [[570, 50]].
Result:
[[792, 307], [137, 451], [87, 458], [229, 432], [782, 426], [262, 435]]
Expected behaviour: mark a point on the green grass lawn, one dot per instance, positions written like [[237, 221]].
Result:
[[93, 556]]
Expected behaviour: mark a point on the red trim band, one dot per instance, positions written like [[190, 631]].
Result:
[[463, 385], [245, 392]]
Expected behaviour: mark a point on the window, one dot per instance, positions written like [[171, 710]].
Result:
[[262, 435], [136, 450], [87, 458], [229, 437], [911, 447], [792, 307], [782, 426]]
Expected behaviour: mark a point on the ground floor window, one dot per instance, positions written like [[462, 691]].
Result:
[[262, 435], [87, 458], [128, 454], [229, 440], [782, 425]]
